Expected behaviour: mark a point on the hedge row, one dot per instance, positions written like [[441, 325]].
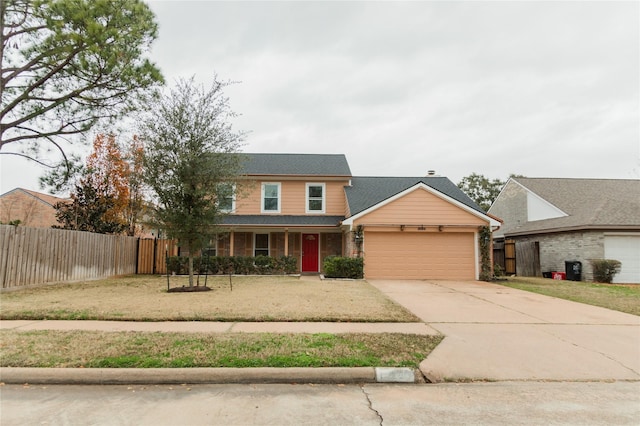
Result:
[[237, 265], [344, 267]]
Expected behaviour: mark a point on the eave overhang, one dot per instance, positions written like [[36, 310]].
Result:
[[280, 221], [555, 230]]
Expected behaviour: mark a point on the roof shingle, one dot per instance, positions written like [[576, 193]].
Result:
[[296, 165], [589, 203]]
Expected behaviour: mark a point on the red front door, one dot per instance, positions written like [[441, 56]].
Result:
[[310, 244]]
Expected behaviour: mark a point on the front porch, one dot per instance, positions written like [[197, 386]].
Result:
[[310, 246]]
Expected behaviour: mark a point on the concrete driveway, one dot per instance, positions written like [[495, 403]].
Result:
[[498, 333]]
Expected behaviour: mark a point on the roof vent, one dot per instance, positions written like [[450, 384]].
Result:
[[431, 173]]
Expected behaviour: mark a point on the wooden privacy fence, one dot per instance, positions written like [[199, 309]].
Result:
[[31, 256], [528, 259], [152, 255], [504, 255]]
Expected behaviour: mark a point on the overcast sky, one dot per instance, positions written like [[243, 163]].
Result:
[[542, 89]]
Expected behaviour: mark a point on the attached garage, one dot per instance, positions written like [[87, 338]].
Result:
[[420, 255], [626, 249], [422, 229]]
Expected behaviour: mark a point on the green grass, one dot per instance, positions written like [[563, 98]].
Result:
[[92, 349], [619, 297]]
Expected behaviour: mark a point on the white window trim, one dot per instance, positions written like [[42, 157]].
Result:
[[262, 210], [233, 202], [324, 197], [255, 238]]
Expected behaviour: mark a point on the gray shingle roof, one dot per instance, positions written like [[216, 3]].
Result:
[[281, 220], [297, 164], [366, 192], [589, 203]]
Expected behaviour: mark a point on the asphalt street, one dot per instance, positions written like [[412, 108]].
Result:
[[501, 403]]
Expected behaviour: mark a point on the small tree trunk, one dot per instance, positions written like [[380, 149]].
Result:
[[190, 270]]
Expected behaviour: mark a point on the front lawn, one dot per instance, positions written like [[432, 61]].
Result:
[[619, 297], [93, 349], [264, 298]]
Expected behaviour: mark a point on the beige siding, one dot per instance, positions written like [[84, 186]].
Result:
[[420, 207], [293, 197], [419, 255]]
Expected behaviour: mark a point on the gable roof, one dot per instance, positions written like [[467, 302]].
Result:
[[296, 165], [50, 200], [588, 203], [366, 192]]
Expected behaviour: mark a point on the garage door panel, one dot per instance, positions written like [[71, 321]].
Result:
[[419, 255], [626, 249]]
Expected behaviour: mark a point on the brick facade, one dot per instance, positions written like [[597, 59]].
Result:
[[557, 248]]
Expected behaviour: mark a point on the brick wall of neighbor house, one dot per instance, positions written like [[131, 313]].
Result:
[[28, 210], [555, 249]]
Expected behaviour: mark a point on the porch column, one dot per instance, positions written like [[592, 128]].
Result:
[[231, 238], [286, 242]]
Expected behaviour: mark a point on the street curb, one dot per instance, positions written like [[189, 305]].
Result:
[[122, 376]]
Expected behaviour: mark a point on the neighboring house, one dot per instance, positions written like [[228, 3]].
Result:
[[574, 220], [31, 208], [310, 206]]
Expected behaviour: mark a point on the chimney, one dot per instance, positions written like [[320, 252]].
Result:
[[431, 173]]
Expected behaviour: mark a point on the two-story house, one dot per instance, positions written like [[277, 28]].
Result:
[[310, 206]]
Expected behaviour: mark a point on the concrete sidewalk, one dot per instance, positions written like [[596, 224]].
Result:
[[222, 327], [497, 333]]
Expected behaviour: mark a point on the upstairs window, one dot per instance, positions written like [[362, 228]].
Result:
[[315, 198], [227, 198], [270, 198]]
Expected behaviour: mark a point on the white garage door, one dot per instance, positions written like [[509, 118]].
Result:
[[626, 249], [418, 255]]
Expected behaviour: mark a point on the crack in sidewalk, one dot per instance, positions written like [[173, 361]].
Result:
[[366, 395]]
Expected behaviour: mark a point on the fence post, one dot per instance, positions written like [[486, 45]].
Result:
[[155, 252]]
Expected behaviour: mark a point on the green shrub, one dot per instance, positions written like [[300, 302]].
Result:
[[287, 265], [497, 270], [178, 265], [343, 267], [264, 264], [605, 269], [237, 265], [244, 265]]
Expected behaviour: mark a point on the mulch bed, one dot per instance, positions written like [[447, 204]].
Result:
[[193, 289]]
